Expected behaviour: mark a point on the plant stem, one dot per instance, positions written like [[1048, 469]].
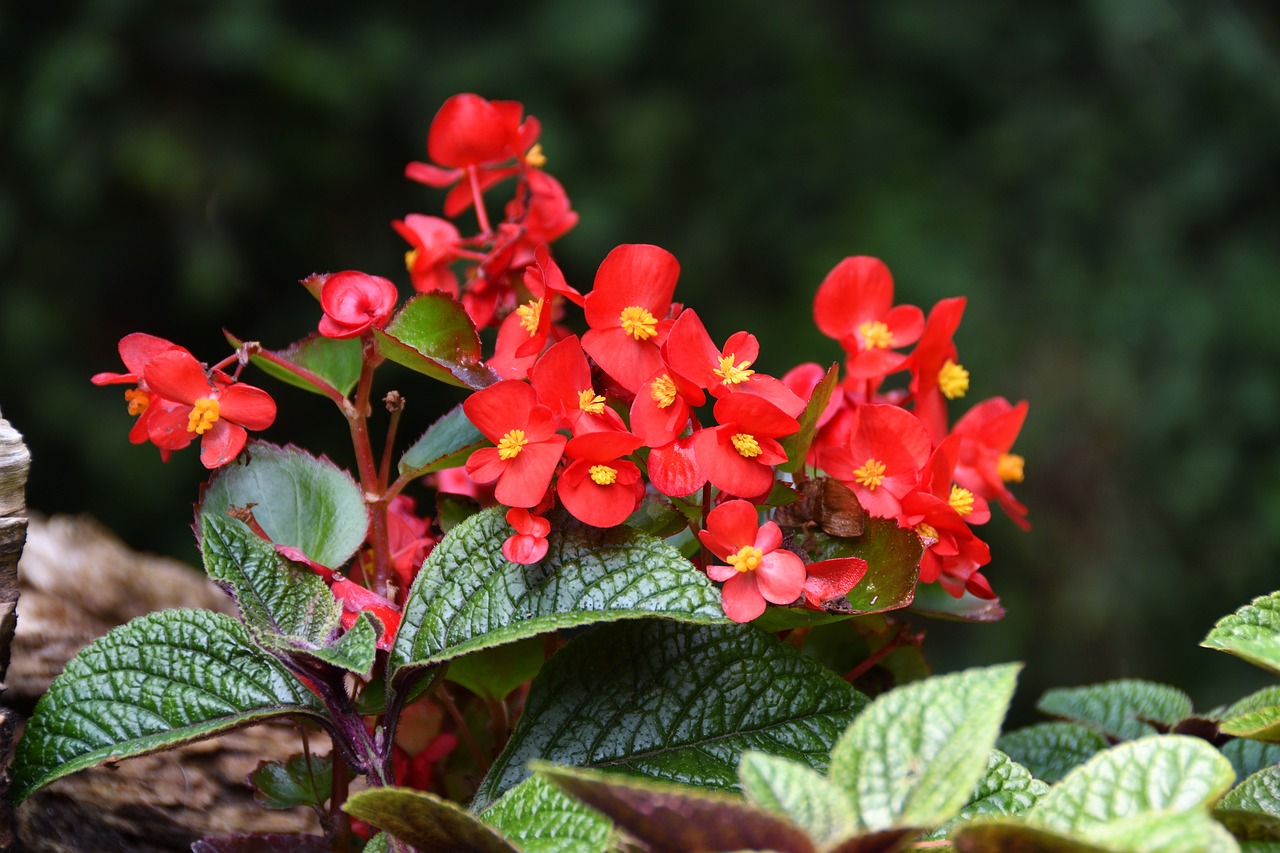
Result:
[[374, 489]]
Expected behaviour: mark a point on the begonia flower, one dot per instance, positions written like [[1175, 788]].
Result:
[[936, 376], [599, 487], [627, 311], [527, 447], [136, 351], [756, 568], [409, 537], [528, 544], [739, 455], [211, 406], [985, 464], [854, 305], [562, 381], [435, 243], [881, 457], [354, 302]]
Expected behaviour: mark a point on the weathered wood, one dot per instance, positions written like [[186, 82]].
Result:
[[15, 461], [78, 581]]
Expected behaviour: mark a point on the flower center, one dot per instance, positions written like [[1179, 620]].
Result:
[[534, 157], [530, 314], [1008, 466], [731, 375], [204, 414], [953, 380], [961, 500], [138, 401], [638, 323], [590, 402], [871, 474], [928, 533], [747, 559], [663, 391], [875, 335], [511, 445], [603, 475], [746, 445], [410, 258]]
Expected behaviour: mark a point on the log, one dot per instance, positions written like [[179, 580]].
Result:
[[15, 461]]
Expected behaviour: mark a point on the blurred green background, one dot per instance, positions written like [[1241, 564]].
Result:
[[1101, 179]]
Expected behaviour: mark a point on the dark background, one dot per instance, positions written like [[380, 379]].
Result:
[[1101, 179]]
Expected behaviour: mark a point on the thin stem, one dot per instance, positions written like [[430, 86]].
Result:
[[481, 216], [374, 489], [337, 796], [463, 729], [900, 638], [253, 348], [395, 405]]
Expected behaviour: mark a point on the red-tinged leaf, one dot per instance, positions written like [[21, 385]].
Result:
[[433, 335], [425, 821], [311, 361], [677, 818], [797, 444], [893, 562]]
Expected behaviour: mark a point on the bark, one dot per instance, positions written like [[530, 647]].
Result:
[[14, 463]]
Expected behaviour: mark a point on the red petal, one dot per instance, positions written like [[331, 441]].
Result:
[[632, 274], [500, 408], [527, 476], [735, 523], [780, 577], [741, 598], [858, 289], [222, 444], [248, 406], [674, 469], [176, 375]]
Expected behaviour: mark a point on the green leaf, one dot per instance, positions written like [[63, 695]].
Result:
[[675, 702], [160, 681], [893, 562], [1161, 773], [796, 445], [1252, 809], [334, 361], [1257, 716], [1006, 790], [932, 600], [299, 500], [1125, 709], [425, 821], [469, 597], [1252, 633], [433, 335], [446, 444], [1249, 756], [493, 673], [915, 756], [658, 517], [302, 780], [678, 817], [1153, 832], [806, 797], [540, 818], [287, 608], [1051, 750]]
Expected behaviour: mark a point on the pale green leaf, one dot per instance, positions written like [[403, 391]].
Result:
[[1252, 633], [915, 756], [425, 821], [1250, 756], [541, 818], [1006, 790], [446, 444], [1256, 716], [162, 680], [1124, 709], [809, 799], [1051, 750], [1252, 808]]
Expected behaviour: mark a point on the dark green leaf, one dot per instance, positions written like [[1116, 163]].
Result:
[[468, 597], [657, 516], [540, 818], [1252, 632], [162, 680], [433, 335], [1051, 750], [494, 673], [675, 702], [797, 444], [302, 780], [426, 821], [893, 562], [1249, 756], [1006, 790], [1124, 709], [334, 361], [299, 500], [932, 600], [677, 817], [446, 444]]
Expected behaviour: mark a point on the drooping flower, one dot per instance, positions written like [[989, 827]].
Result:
[[136, 351], [936, 376], [525, 332], [354, 302], [211, 406], [738, 455], [854, 305], [434, 243], [599, 487], [880, 459], [627, 311], [986, 464], [528, 544], [527, 447], [756, 569]]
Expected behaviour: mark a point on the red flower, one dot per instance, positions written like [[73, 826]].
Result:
[[880, 458], [525, 331], [562, 382], [627, 309], [738, 456], [529, 543], [599, 487], [854, 305], [137, 351], [985, 464], [214, 407], [758, 570], [409, 536], [527, 450], [435, 246], [546, 216], [935, 375], [354, 302]]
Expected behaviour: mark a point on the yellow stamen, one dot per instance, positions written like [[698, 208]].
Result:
[[927, 532], [590, 402], [530, 315], [410, 258], [204, 414], [1008, 466], [871, 474], [638, 323], [953, 380], [747, 559], [961, 500], [138, 401], [511, 445], [663, 391], [875, 335], [535, 158], [731, 375], [603, 475], [746, 445]]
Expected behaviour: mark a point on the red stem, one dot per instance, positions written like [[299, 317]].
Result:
[[373, 487], [481, 216]]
